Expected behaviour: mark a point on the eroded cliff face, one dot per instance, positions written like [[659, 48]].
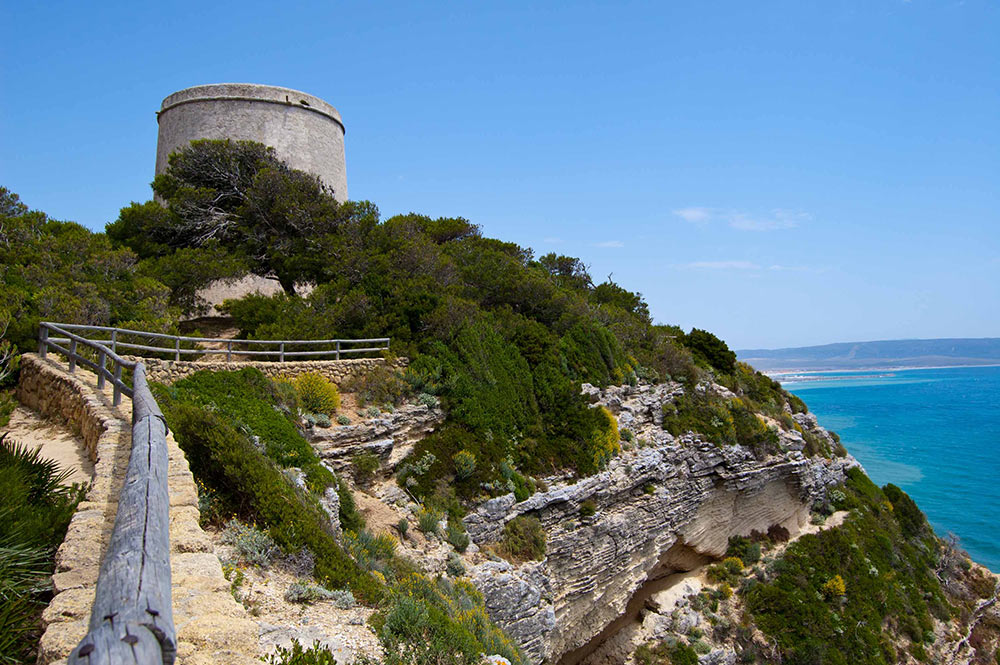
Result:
[[665, 506]]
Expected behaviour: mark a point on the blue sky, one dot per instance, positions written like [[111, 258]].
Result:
[[781, 173]]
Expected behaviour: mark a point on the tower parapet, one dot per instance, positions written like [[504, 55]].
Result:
[[306, 132]]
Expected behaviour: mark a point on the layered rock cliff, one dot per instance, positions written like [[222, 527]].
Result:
[[664, 506]]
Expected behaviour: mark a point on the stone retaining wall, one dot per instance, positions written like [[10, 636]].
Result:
[[211, 626], [337, 371]]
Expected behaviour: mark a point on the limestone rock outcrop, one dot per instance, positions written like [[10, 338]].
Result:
[[389, 436], [665, 506]]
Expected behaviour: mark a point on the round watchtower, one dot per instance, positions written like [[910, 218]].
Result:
[[305, 132]]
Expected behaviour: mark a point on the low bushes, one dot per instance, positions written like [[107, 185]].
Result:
[[523, 540], [721, 421], [833, 594], [439, 622], [317, 393], [251, 485], [34, 514]]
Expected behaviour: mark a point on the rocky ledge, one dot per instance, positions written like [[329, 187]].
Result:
[[388, 436], [665, 506]]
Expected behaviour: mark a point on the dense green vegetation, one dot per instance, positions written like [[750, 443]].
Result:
[[51, 270], [439, 622], [836, 595], [238, 432], [237, 440], [34, 514]]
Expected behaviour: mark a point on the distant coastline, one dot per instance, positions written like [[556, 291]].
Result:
[[876, 356], [861, 373]]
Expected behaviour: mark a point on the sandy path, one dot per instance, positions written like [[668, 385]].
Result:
[[56, 441]]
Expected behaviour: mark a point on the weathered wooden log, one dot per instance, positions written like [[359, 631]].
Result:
[[132, 618]]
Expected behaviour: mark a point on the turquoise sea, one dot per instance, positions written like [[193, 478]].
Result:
[[933, 432]]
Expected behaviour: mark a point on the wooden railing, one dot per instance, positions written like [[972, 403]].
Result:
[[179, 345], [132, 617]]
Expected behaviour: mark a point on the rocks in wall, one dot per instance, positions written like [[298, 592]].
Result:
[[337, 371]]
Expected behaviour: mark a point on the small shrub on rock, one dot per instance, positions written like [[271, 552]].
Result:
[[465, 464], [286, 396], [455, 534], [428, 400], [365, 466], [343, 420], [428, 520], [317, 393], [588, 508], [402, 526], [306, 592], [454, 567], [372, 412], [317, 654], [523, 540], [744, 549], [251, 545], [378, 385], [323, 420]]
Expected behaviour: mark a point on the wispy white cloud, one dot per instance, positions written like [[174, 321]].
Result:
[[609, 243], [721, 265], [776, 220], [694, 214]]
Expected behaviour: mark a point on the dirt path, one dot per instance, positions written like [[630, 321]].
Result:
[[57, 443]]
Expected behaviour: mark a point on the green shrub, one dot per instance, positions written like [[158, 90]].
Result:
[[465, 464], [428, 520], [372, 412], [255, 488], [304, 591], [323, 420], [588, 508], [428, 400], [523, 539], [439, 622], [378, 385], [317, 654], [371, 551], [343, 420], [454, 567], [786, 606], [455, 534], [251, 545], [34, 515], [402, 526], [365, 466], [286, 396], [317, 393], [744, 549], [721, 421]]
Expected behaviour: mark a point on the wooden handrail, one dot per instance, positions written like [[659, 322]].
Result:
[[132, 618], [175, 341], [131, 622]]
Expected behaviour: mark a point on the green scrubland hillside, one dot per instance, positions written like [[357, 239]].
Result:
[[503, 340]]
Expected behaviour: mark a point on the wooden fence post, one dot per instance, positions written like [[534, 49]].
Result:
[[43, 341], [117, 399], [72, 356], [101, 359], [281, 352]]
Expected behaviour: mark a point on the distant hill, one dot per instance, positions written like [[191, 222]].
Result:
[[893, 353]]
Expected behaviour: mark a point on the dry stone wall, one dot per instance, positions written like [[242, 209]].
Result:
[[211, 626], [337, 371]]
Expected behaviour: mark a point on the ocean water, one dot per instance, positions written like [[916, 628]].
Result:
[[933, 432]]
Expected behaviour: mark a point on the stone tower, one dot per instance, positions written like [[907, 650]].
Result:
[[305, 132]]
